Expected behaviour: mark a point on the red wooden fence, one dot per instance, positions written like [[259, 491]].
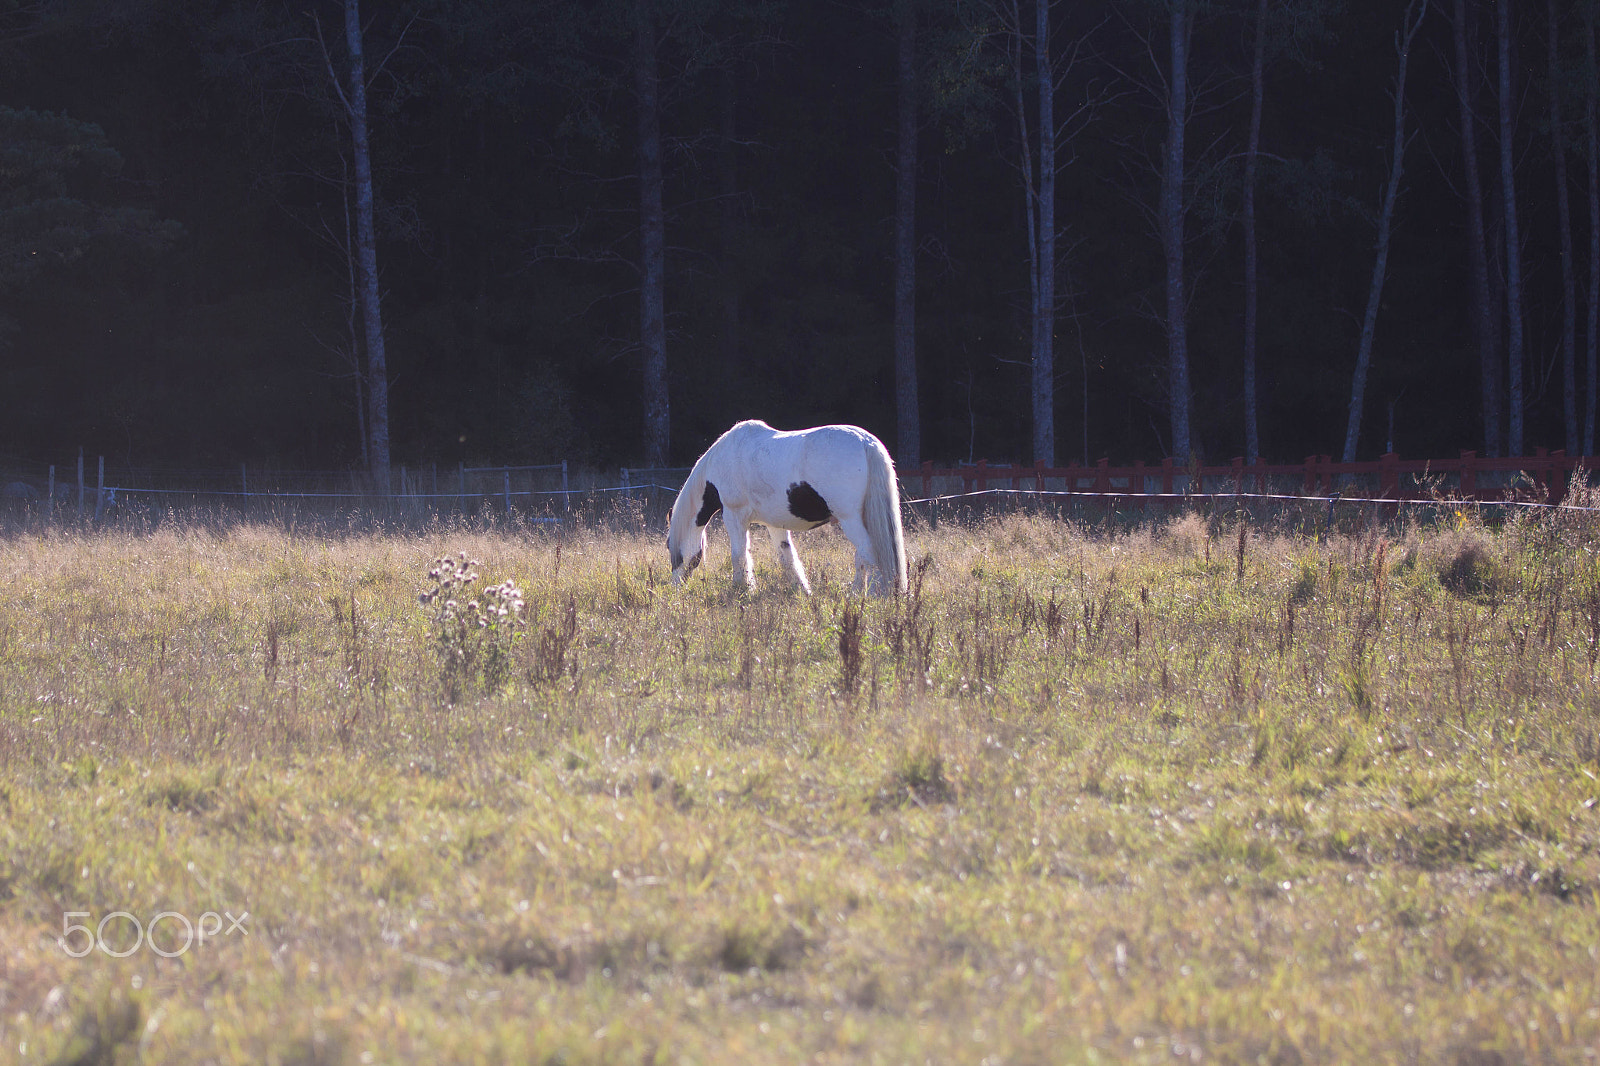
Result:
[[1319, 475]]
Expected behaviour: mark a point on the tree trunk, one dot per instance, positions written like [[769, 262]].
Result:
[[1040, 220], [907, 415], [1508, 192], [652, 240], [367, 258], [361, 416], [1569, 297], [1171, 214], [1044, 310], [1477, 246], [1391, 194], [728, 179], [1592, 158], [352, 325], [1252, 435]]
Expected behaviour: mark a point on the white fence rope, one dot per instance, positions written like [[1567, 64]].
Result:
[[110, 495], [1331, 498], [1084, 495]]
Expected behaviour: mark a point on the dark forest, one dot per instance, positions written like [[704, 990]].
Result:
[[603, 232]]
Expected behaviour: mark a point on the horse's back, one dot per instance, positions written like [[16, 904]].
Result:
[[760, 469], [836, 455], [845, 445]]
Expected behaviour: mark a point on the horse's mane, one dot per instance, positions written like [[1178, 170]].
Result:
[[697, 473]]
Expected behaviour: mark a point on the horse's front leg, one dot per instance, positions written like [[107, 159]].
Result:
[[739, 540], [784, 546]]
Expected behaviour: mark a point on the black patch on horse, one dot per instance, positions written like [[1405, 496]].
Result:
[[806, 505], [710, 506]]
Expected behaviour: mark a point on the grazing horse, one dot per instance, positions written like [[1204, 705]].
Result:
[[791, 482]]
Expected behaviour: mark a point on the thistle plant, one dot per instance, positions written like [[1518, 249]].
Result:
[[474, 631]]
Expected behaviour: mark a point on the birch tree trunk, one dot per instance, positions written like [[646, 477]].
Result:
[[367, 258], [1592, 158], [1508, 192], [1477, 245], [1569, 298], [1415, 12], [1252, 436], [1170, 221], [1044, 308], [907, 415], [652, 239], [1039, 198]]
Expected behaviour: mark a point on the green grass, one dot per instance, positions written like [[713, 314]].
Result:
[[1084, 796]]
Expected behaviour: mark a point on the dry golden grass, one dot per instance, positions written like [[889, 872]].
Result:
[[1085, 795]]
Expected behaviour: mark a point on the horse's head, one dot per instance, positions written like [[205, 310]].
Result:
[[686, 533], [681, 569]]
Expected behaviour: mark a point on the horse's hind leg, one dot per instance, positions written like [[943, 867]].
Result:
[[784, 546], [868, 574]]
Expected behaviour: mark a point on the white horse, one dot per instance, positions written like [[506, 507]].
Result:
[[791, 482]]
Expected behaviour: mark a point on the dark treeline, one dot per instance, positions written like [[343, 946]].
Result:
[[605, 231]]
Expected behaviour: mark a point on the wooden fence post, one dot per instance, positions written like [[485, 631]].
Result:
[[1166, 476], [1469, 473], [80, 483], [100, 490], [1389, 475]]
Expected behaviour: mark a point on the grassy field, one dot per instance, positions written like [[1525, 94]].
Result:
[[1202, 790]]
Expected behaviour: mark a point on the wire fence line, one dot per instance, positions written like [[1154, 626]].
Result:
[[555, 494], [516, 495], [1336, 498]]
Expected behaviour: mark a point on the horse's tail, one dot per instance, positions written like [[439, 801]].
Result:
[[880, 511]]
